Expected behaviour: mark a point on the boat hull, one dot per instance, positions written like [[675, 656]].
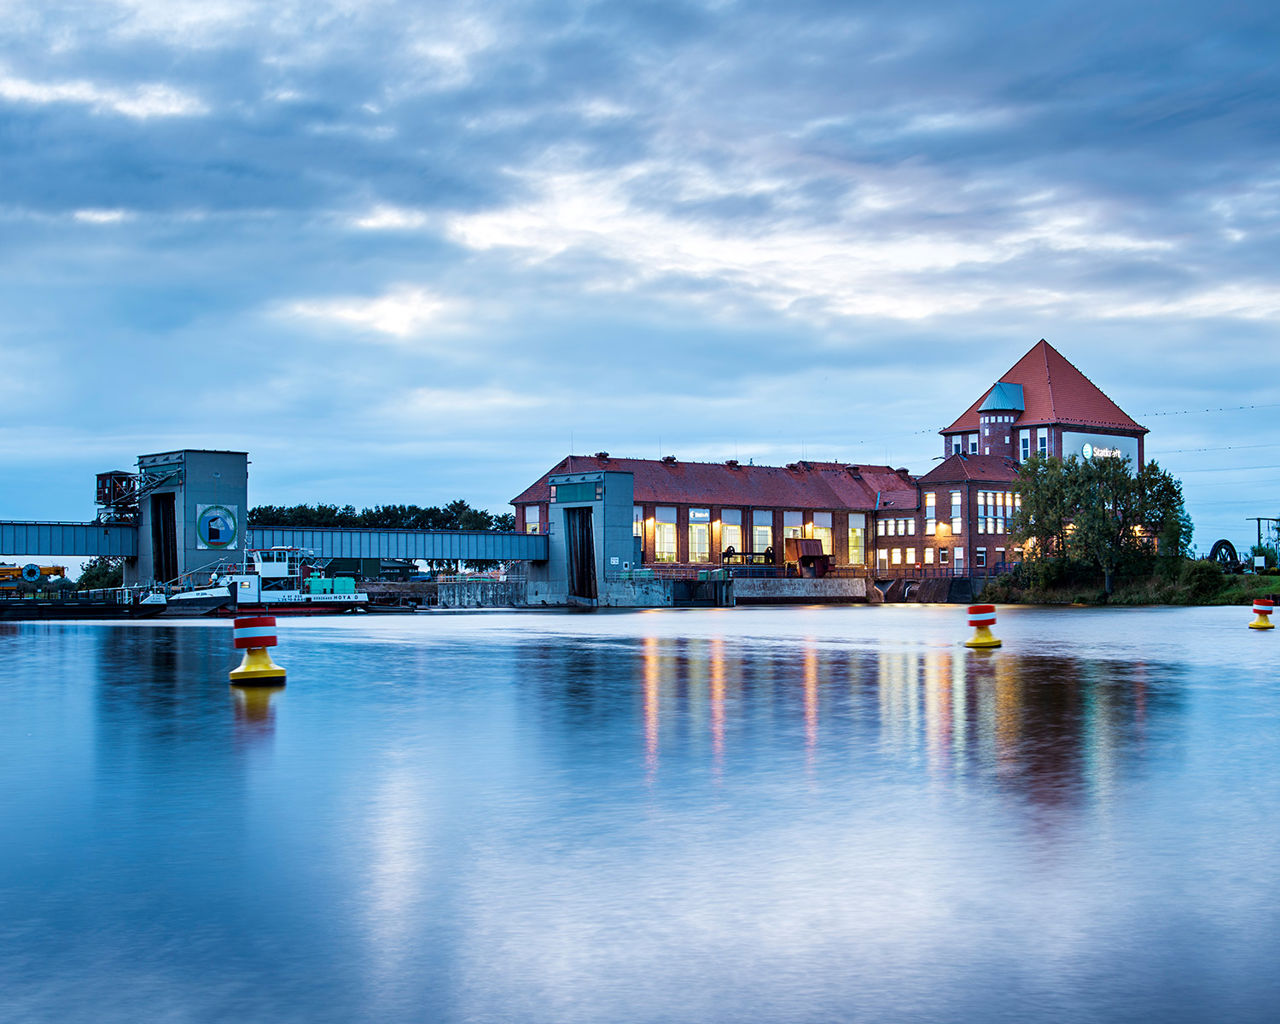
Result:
[[36, 611]]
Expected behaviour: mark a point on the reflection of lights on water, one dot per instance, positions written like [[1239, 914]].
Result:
[[937, 709], [717, 701], [810, 698], [652, 682]]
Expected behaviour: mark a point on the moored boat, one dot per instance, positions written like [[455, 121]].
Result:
[[284, 581]]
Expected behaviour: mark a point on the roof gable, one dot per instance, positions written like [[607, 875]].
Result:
[[1053, 391]]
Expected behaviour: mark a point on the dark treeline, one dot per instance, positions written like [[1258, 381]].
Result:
[[457, 515]]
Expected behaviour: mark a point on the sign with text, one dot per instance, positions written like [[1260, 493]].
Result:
[[1099, 446]]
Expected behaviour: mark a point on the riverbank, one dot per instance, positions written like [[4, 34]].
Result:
[[1200, 583]]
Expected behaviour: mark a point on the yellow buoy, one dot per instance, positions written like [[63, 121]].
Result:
[[1262, 608], [982, 617], [253, 636]]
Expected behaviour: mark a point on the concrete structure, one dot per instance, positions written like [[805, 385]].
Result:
[[592, 553], [192, 507], [184, 512]]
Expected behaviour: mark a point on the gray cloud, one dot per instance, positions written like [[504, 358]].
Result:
[[755, 228]]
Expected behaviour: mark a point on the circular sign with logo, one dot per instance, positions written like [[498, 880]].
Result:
[[216, 526], [1088, 450]]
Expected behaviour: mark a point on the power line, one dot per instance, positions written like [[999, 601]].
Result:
[[1225, 408], [1224, 448], [1224, 469]]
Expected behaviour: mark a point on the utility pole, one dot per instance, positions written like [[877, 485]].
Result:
[[1260, 520]]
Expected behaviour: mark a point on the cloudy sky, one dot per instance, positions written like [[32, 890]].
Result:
[[415, 251]]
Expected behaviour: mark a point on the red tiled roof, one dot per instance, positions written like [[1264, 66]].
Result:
[[1054, 392], [803, 485], [958, 468]]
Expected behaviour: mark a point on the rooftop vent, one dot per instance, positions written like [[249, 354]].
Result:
[[732, 463], [670, 460], [602, 456], [793, 466]]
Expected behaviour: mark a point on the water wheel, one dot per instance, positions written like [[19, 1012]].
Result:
[[1224, 553]]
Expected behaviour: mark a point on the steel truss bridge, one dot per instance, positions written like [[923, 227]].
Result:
[[121, 540]]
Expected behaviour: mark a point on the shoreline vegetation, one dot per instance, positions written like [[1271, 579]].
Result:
[[1186, 583]]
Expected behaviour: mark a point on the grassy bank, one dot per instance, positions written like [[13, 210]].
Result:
[[1193, 583]]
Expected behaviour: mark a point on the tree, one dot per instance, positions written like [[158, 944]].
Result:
[[1042, 520], [1106, 524], [1162, 512], [1100, 512], [101, 573]]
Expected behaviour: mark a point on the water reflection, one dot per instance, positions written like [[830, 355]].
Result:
[[254, 713], [1054, 730], [630, 822]]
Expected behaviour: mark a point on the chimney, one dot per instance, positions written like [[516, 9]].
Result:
[[670, 460], [602, 456]]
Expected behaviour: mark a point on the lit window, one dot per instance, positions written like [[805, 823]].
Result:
[[637, 520], [699, 534], [761, 530], [880, 527], [928, 556], [930, 513], [895, 556], [910, 556], [882, 558], [956, 512], [731, 530], [532, 519], [857, 538], [822, 531], [664, 535], [792, 524]]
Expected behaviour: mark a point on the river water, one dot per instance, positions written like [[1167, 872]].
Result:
[[800, 814]]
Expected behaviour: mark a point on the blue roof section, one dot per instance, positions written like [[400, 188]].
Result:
[[1004, 396]]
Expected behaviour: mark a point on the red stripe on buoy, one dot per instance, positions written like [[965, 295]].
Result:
[[254, 631], [980, 609]]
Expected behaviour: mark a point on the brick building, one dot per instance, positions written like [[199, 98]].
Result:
[[1043, 405], [954, 518], [694, 513]]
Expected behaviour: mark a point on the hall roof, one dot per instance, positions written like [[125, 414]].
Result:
[[1053, 391], [983, 468], [799, 485]]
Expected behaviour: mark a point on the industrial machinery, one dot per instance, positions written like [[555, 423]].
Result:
[[11, 575]]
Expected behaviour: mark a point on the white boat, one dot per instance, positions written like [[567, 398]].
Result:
[[272, 581]]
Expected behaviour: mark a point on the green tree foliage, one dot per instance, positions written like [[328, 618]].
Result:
[[101, 573], [1106, 517], [456, 515], [1098, 512], [1265, 551], [1046, 506]]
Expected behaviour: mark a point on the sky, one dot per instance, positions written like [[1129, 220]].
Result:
[[409, 252]]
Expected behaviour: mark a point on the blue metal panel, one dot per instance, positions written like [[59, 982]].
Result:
[[427, 544], [84, 540]]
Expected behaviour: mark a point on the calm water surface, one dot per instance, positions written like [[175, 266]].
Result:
[[821, 814]]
